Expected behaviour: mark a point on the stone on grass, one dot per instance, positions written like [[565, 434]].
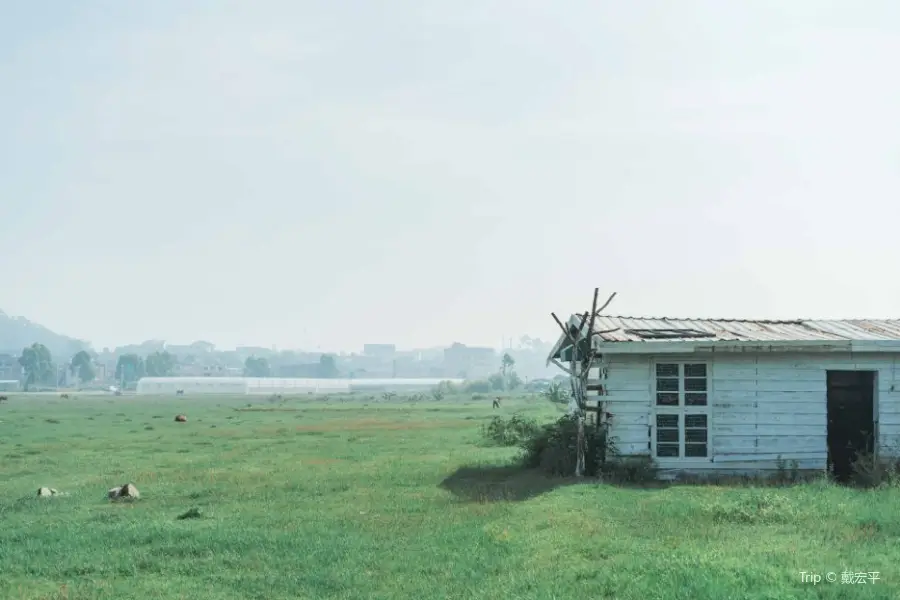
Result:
[[46, 492], [181, 418], [124, 492]]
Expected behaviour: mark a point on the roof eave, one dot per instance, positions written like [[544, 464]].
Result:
[[554, 351], [701, 346]]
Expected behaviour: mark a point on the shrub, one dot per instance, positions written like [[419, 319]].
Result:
[[515, 431], [553, 448], [630, 469], [447, 388], [556, 393], [869, 471]]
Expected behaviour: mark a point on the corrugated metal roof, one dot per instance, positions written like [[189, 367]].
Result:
[[629, 329]]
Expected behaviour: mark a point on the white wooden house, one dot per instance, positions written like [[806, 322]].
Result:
[[737, 396]]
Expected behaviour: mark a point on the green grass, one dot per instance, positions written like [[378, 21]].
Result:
[[339, 499]]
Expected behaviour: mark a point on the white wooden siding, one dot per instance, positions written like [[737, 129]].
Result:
[[627, 397], [762, 406]]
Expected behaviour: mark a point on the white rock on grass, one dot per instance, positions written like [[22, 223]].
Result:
[[124, 492]]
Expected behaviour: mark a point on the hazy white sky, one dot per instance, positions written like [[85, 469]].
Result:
[[325, 174]]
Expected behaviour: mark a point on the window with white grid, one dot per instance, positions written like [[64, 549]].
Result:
[[681, 419]]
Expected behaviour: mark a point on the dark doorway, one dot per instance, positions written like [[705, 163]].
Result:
[[851, 419]]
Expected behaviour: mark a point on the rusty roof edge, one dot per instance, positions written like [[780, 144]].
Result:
[[691, 346], [798, 321]]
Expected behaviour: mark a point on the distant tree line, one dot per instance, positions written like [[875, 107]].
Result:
[[131, 367], [40, 370], [37, 363]]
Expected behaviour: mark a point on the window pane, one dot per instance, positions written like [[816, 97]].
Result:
[[695, 421], [666, 385], [669, 435], [692, 450], [667, 370], [695, 385], [695, 399], [667, 450], [692, 435], [667, 421], [698, 370], [667, 399]]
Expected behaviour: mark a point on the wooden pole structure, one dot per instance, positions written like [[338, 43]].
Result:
[[581, 361]]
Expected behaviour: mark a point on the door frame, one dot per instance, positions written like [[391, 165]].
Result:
[[875, 409]]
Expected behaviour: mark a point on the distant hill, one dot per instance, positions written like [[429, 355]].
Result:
[[18, 332]]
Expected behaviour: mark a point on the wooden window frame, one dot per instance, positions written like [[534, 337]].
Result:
[[681, 410]]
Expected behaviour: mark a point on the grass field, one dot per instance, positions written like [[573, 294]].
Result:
[[337, 499]]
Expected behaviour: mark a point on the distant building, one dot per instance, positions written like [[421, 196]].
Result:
[[380, 350], [200, 370], [254, 351], [470, 362], [297, 370], [179, 350], [9, 385], [10, 369], [105, 369], [100, 372], [66, 377], [203, 347]]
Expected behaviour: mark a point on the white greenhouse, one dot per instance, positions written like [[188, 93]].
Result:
[[280, 385], [192, 385], [276, 385]]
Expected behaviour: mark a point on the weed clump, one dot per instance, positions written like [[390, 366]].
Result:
[[517, 430], [787, 472], [870, 471], [630, 469], [191, 513]]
